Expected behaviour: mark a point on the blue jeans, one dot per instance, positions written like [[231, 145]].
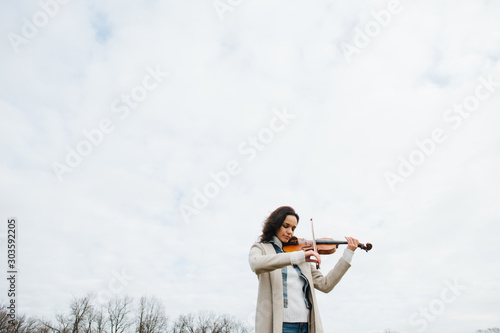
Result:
[[295, 328]]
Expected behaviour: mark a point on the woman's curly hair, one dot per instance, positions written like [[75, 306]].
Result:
[[275, 221]]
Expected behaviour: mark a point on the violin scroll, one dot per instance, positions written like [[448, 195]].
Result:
[[366, 247]]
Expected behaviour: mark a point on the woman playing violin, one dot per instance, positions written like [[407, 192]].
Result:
[[286, 301]]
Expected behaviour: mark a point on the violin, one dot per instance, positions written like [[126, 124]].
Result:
[[323, 245], [320, 245]]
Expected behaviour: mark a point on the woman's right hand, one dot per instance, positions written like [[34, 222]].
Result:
[[312, 256]]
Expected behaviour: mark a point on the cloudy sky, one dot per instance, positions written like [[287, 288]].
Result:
[[143, 143]]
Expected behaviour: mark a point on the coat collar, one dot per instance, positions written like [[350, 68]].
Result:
[[276, 241]]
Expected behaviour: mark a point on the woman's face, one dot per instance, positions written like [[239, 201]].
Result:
[[285, 232]]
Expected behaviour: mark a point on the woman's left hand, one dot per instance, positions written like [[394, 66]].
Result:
[[352, 243]]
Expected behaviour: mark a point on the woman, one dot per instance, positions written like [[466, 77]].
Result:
[[286, 302]]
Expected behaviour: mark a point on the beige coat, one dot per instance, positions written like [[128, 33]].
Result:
[[267, 264]]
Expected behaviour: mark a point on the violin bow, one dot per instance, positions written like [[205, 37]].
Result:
[[314, 242]]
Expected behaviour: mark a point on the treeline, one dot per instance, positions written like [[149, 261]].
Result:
[[123, 315], [488, 330], [120, 315]]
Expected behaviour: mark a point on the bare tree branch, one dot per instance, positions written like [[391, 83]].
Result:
[[118, 314]]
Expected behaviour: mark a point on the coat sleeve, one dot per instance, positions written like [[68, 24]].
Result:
[[326, 283], [262, 263]]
